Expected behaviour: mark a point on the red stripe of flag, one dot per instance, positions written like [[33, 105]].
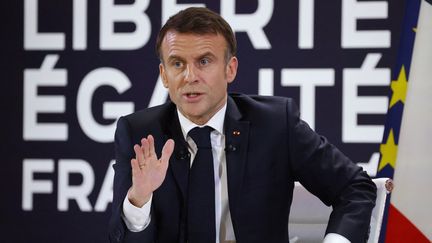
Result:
[[400, 229]]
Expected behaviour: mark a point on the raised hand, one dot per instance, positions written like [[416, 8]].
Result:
[[148, 172]]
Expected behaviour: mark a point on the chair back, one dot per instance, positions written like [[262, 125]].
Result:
[[309, 216]]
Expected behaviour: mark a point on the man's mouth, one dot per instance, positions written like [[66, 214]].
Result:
[[192, 94]]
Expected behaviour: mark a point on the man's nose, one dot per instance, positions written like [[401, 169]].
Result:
[[190, 73]]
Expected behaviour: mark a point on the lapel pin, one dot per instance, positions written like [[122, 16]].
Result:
[[236, 133]]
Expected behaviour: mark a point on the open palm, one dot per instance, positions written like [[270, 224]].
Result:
[[148, 172]]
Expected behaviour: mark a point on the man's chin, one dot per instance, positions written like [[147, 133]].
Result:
[[196, 116]]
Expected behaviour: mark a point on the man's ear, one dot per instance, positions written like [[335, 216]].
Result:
[[163, 75], [231, 69]]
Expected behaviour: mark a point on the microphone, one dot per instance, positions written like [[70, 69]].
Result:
[[230, 148], [183, 154]]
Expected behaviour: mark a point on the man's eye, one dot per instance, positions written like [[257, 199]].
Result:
[[178, 64], [204, 61]]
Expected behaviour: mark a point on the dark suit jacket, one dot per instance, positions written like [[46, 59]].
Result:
[[274, 149]]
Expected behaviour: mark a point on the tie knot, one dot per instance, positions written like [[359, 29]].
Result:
[[201, 136]]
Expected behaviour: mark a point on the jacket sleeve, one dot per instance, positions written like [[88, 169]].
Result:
[[118, 232], [327, 173]]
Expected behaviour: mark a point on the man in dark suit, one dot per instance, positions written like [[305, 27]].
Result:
[[256, 148]]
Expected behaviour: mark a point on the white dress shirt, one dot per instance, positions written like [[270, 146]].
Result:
[[137, 219]]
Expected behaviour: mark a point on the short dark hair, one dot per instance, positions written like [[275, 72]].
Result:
[[198, 20]]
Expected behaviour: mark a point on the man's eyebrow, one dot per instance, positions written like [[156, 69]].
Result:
[[175, 57], [207, 54]]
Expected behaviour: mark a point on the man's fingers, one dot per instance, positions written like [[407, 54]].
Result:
[[139, 155], [145, 147], [145, 152], [167, 150], [150, 140], [135, 167]]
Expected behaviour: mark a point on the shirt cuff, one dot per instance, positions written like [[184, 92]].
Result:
[[136, 219], [335, 238]]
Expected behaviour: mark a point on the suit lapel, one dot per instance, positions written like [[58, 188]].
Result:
[[180, 159], [236, 146]]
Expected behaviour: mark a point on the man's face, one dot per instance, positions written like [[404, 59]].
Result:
[[196, 73]]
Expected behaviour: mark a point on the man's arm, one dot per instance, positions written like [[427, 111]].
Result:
[[330, 175], [139, 172], [353, 208]]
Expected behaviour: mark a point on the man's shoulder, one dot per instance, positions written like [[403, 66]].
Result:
[[261, 109], [260, 102], [253, 98], [151, 114]]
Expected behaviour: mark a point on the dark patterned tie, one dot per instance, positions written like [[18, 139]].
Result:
[[201, 200]]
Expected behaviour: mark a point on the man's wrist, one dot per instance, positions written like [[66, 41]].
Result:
[[136, 219], [137, 200]]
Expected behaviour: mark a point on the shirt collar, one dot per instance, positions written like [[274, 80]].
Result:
[[216, 122]]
